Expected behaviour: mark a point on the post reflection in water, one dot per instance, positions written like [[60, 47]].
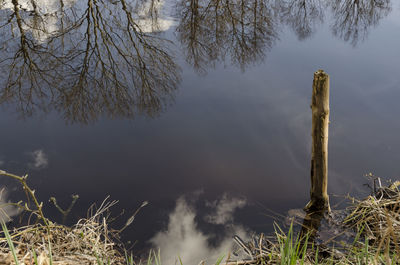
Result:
[[311, 225], [87, 59], [84, 59]]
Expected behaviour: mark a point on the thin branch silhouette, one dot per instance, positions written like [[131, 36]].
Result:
[[95, 61]]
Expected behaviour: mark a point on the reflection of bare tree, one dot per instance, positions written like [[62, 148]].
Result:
[[302, 15], [353, 18], [94, 61], [209, 30]]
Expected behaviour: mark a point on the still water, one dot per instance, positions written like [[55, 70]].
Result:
[[206, 99]]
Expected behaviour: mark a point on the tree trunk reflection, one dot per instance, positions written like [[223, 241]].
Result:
[[211, 30], [90, 60]]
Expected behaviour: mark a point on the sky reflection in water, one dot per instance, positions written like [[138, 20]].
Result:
[[229, 87]]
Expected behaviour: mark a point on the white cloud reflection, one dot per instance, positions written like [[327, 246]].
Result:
[[224, 209], [183, 239], [149, 11], [40, 159], [49, 23], [7, 211]]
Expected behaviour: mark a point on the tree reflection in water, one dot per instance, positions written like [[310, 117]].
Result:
[[354, 18], [92, 58], [302, 15], [210, 30], [84, 59]]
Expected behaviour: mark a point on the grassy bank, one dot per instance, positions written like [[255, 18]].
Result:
[[371, 228], [43, 242]]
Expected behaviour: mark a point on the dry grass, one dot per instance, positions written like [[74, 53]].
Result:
[[378, 214], [375, 222], [371, 229], [87, 242], [377, 217]]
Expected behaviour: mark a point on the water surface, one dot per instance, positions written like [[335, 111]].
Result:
[[196, 98]]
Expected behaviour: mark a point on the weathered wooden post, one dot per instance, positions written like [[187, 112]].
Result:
[[319, 152]]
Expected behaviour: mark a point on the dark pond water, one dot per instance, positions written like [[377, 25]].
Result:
[[205, 99]]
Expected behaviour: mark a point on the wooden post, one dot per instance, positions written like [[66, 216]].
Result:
[[319, 153]]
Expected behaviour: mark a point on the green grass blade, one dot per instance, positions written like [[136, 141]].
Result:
[[158, 258], [316, 256], [9, 241], [131, 260], [50, 253], [305, 245], [99, 261], [358, 235], [219, 260], [34, 257], [150, 258], [127, 258]]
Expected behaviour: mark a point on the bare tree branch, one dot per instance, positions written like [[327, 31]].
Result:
[[354, 18], [86, 61], [210, 30]]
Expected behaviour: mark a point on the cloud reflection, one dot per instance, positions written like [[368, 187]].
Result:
[[7, 211], [183, 239], [84, 59], [40, 159], [224, 209], [91, 59]]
